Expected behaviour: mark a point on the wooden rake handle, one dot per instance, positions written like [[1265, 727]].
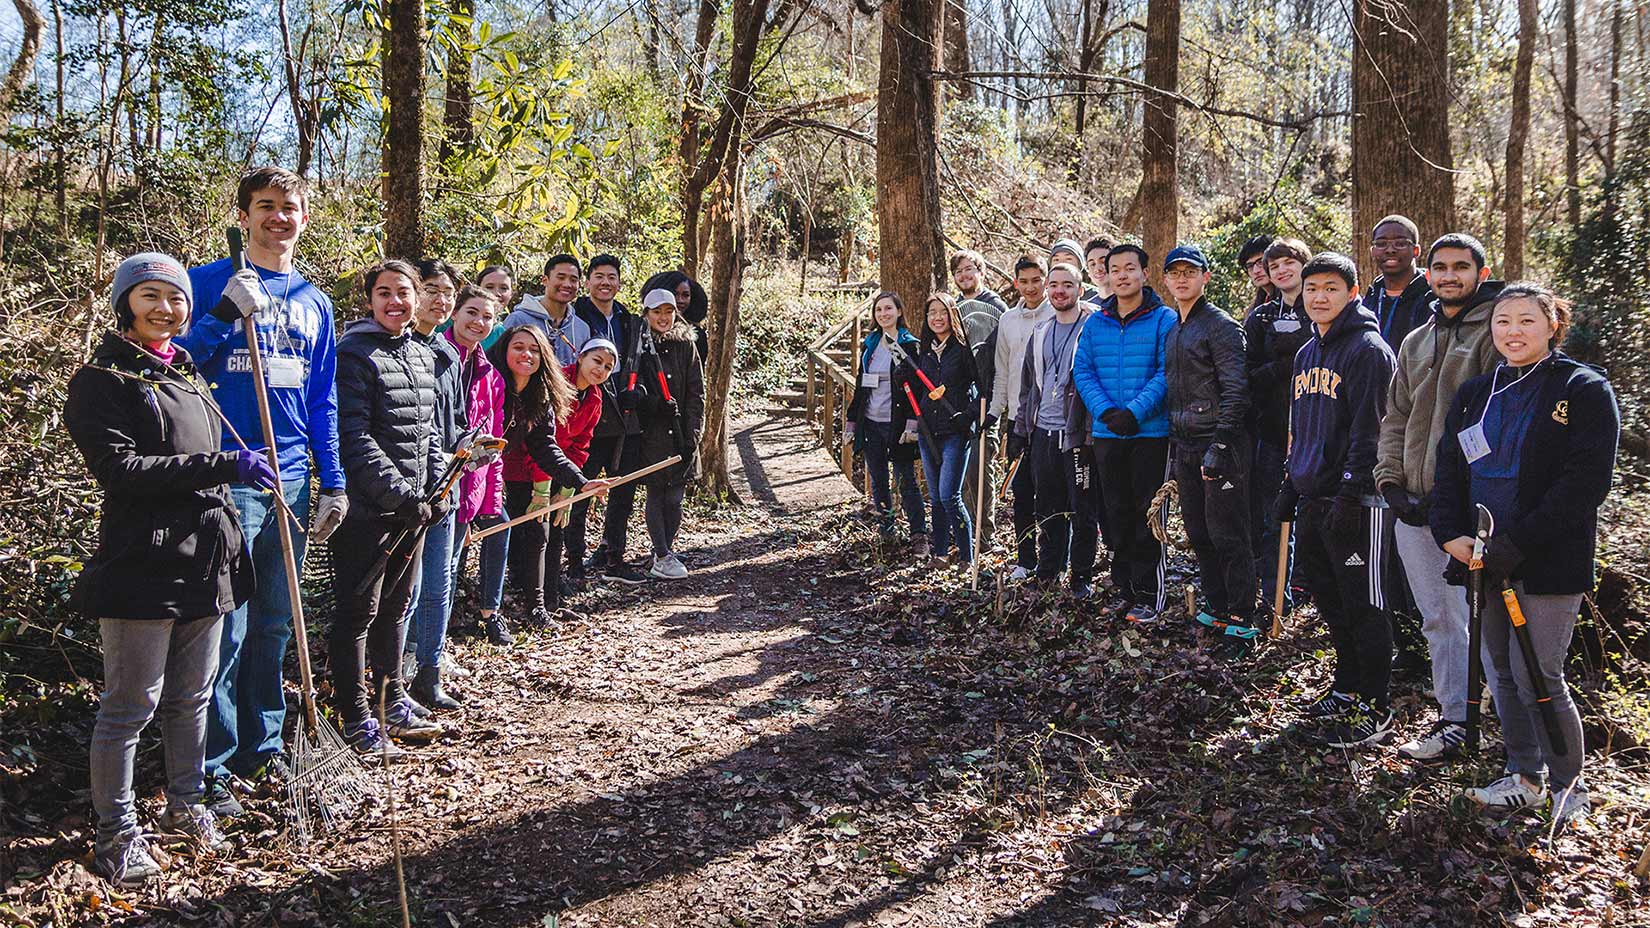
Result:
[[544, 511]]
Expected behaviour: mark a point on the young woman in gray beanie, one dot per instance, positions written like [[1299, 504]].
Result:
[[170, 558]]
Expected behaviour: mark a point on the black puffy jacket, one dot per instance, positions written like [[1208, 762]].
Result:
[[387, 433], [1273, 335], [169, 541], [957, 411], [676, 353], [451, 392], [1208, 379]]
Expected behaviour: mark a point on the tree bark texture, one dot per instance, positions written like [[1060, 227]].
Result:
[[458, 116], [908, 200], [727, 284], [1572, 119], [693, 188], [403, 158], [1518, 134], [27, 51], [956, 45], [1401, 156], [1615, 89], [1159, 189]]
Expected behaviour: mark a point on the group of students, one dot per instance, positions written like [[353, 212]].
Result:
[[431, 418], [1343, 440]]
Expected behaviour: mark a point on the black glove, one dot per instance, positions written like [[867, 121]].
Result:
[[413, 512], [439, 510], [1288, 502], [1501, 558], [1120, 421], [1284, 348], [631, 399], [1455, 573], [669, 408], [1407, 508], [1017, 445], [989, 423], [1346, 520], [1218, 461]]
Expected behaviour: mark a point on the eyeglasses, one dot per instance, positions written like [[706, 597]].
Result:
[[1183, 272], [431, 290], [1393, 243], [1254, 263]]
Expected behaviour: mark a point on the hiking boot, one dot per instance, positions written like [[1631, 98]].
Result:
[[220, 799], [1570, 806], [1081, 589], [130, 859], [1327, 706], [367, 740], [1442, 742], [498, 630], [196, 823], [920, 547], [1360, 725], [427, 688], [668, 568], [1508, 794], [405, 725], [625, 573]]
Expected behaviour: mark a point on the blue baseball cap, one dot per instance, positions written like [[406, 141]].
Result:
[[1187, 254]]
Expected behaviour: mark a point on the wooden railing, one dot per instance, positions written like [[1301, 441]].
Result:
[[830, 387]]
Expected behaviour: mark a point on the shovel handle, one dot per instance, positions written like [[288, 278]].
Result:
[[1281, 589]]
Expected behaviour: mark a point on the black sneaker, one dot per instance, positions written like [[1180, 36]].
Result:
[[596, 563], [1327, 706], [498, 630], [625, 573], [219, 797], [1081, 589], [1362, 724]]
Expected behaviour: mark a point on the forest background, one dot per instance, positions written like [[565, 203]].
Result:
[[787, 152]]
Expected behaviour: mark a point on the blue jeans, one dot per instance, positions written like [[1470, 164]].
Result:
[[880, 438], [495, 551], [432, 597], [943, 465], [1265, 480], [248, 707]]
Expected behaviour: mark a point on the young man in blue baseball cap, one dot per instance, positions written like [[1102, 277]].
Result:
[[1208, 403]]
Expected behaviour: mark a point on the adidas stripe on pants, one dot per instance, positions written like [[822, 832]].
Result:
[[1344, 577]]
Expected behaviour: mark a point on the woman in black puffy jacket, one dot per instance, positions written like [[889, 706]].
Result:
[[170, 559], [944, 360]]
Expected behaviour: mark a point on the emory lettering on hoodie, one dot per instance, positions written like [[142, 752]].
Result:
[[1337, 397]]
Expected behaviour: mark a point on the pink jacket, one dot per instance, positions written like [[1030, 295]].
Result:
[[481, 492]]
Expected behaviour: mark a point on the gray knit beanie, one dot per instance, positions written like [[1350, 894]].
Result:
[[150, 265]]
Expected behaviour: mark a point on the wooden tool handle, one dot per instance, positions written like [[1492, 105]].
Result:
[[563, 503]]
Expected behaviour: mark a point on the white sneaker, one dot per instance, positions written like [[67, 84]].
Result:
[[1570, 806], [130, 859], [198, 823], [451, 668], [667, 568], [1508, 794], [1443, 741], [1019, 574]]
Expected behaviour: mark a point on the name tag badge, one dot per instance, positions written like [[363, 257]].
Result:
[[1473, 443], [1286, 325], [868, 379], [285, 372]]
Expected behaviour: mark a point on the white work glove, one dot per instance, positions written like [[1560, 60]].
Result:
[[908, 436], [330, 510], [484, 450], [848, 431], [243, 295]]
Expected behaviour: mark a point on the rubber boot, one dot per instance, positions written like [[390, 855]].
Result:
[[426, 688]]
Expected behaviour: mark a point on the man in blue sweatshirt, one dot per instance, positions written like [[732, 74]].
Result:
[[1338, 394], [296, 341], [1120, 371]]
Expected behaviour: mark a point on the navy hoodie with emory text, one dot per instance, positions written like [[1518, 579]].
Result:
[[1337, 398]]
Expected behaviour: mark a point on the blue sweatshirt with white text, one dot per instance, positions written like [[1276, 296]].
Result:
[[1337, 397]]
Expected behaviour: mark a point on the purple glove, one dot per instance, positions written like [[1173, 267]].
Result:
[[252, 469]]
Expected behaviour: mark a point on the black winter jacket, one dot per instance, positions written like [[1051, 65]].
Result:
[[676, 354], [387, 431], [451, 392], [957, 411], [1208, 381], [1411, 310], [698, 308], [1273, 333], [536, 439], [614, 421], [169, 541], [1339, 396], [1565, 469]]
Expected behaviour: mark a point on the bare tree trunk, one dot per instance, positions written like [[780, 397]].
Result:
[[1517, 135], [458, 117], [956, 45], [1615, 89], [27, 51], [57, 127], [727, 285], [1572, 119], [157, 41], [693, 190], [303, 111], [1159, 189], [1401, 156], [650, 43], [908, 209], [403, 157]]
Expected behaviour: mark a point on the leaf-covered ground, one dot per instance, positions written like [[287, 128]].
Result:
[[810, 732]]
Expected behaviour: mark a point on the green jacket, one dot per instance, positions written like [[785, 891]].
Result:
[[1434, 361]]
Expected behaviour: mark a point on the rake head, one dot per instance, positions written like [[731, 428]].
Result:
[[327, 783]]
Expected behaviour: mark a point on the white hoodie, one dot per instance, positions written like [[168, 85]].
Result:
[[1013, 334]]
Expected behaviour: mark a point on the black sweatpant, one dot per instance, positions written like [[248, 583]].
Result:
[[369, 622], [1066, 520], [614, 456], [664, 515], [1345, 577], [1131, 470], [1024, 488], [1216, 513], [527, 543]]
